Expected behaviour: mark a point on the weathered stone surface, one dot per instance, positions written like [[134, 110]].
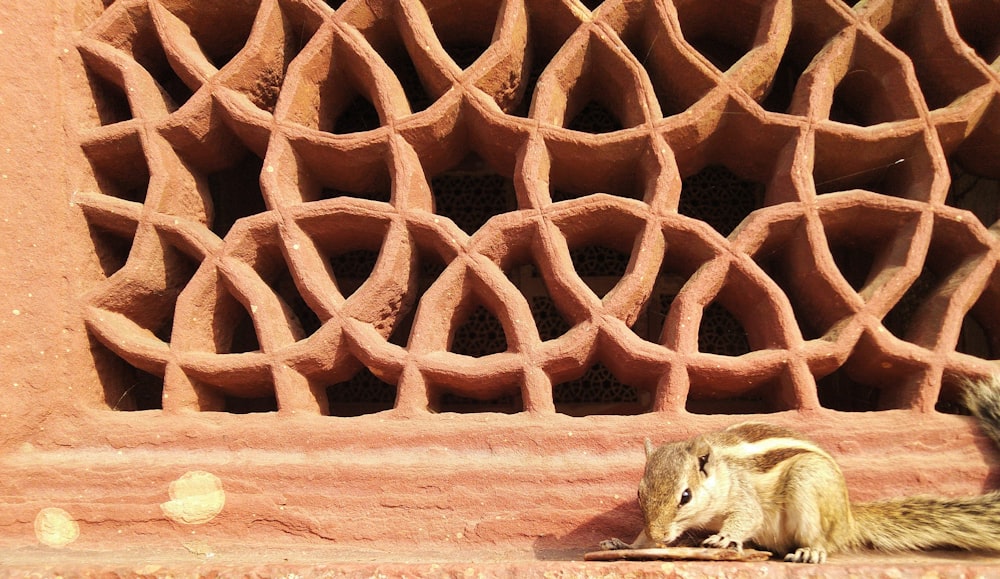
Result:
[[399, 287], [310, 563]]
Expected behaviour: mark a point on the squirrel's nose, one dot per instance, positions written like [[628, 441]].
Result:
[[663, 535]]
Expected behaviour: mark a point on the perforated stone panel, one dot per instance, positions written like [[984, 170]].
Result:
[[542, 205]]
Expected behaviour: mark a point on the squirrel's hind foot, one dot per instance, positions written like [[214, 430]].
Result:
[[807, 555]]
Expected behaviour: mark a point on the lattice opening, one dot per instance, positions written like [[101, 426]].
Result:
[[243, 336], [126, 388], [599, 266], [148, 52], [179, 269], [977, 339], [980, 335], [721, 31], [382, 194], [151, 308], [746, 404], [980, 195], [758, 398], [677, 82], [719, 197], [429, 268], [550, 322], [324, 174], [358, 116], [273, 270], [595, 118], [480, 334], [111, 248], [814, 24], [499, 396], [922, 311], [335, 98], [869, 246], [871, 91], [236, 193], [350, 251], [137, 36], [863, 384], [650, 325], [854, 262], [897, 167], [901, 317], [549, 34], [976, 24], [464, 27], [111, 104], [599, 391], [839, 392], [364, 393], [950, 399], [221, 32], [471, 193], [304, 317], [353, 268], [786, 260], [146, 393], [270, 61], [601, 96], [451, 402], [972, 155], [384, 37], [942, 73], [571, 177], [520, 105], [721, 333], [120, 167], [239, 405]]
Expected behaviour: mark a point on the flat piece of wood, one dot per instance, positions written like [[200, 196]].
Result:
[[678, 554]]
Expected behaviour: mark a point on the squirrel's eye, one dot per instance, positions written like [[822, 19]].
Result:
[[702, 461], [685, 497]]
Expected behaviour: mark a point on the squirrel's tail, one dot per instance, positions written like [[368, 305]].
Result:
[[915, 523], [983, 400], [927, 522]]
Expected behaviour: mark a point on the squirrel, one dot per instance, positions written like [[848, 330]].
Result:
[[766, 485]]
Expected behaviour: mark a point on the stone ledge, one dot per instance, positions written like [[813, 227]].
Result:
[[501, 495], [306, 563]]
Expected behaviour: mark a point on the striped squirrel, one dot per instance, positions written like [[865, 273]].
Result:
[[766, 485]]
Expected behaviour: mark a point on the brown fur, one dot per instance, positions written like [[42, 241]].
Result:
[[764, 484]]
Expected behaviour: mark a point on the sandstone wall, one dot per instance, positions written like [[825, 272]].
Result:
[[417, 277]]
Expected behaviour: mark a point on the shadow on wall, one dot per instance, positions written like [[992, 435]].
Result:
[[624, 521]]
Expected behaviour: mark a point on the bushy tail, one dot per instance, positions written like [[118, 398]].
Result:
[[926, 522], [915, 523], [983, 400]]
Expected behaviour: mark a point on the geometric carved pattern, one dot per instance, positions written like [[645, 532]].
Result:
[[644, 205]]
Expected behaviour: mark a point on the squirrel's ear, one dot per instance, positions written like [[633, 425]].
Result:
[[649, 448], [702, 450]]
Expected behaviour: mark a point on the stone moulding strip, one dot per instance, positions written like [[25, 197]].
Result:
[[224, 164], [441, 488]]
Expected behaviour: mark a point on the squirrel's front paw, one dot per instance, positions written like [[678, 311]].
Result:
[[615, 544], [722, 542]]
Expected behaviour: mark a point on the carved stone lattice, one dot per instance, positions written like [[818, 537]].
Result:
[[543, 205]]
